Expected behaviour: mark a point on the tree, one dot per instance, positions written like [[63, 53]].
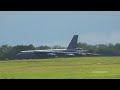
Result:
[[57, 47], [82, 45], [42, 47]]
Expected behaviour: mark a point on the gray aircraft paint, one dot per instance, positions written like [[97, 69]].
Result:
[[70, 51], [73, 43]]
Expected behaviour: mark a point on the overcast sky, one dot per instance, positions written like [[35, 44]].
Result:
[[58, 27]]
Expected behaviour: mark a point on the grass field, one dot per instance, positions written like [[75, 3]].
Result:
[[62, 68]]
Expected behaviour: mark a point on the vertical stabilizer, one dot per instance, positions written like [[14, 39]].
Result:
[[73, 43]]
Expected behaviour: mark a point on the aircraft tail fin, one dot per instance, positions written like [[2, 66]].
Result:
[[73, 43]]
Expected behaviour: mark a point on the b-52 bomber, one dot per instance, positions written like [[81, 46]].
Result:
[[70, 51]]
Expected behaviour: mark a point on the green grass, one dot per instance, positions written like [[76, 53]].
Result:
[[62, 68]]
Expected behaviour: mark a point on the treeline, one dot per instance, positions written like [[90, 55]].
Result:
[[9, 52], [103, 49]]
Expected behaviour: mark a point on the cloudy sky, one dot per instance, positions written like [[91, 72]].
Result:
[[58, 27]]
